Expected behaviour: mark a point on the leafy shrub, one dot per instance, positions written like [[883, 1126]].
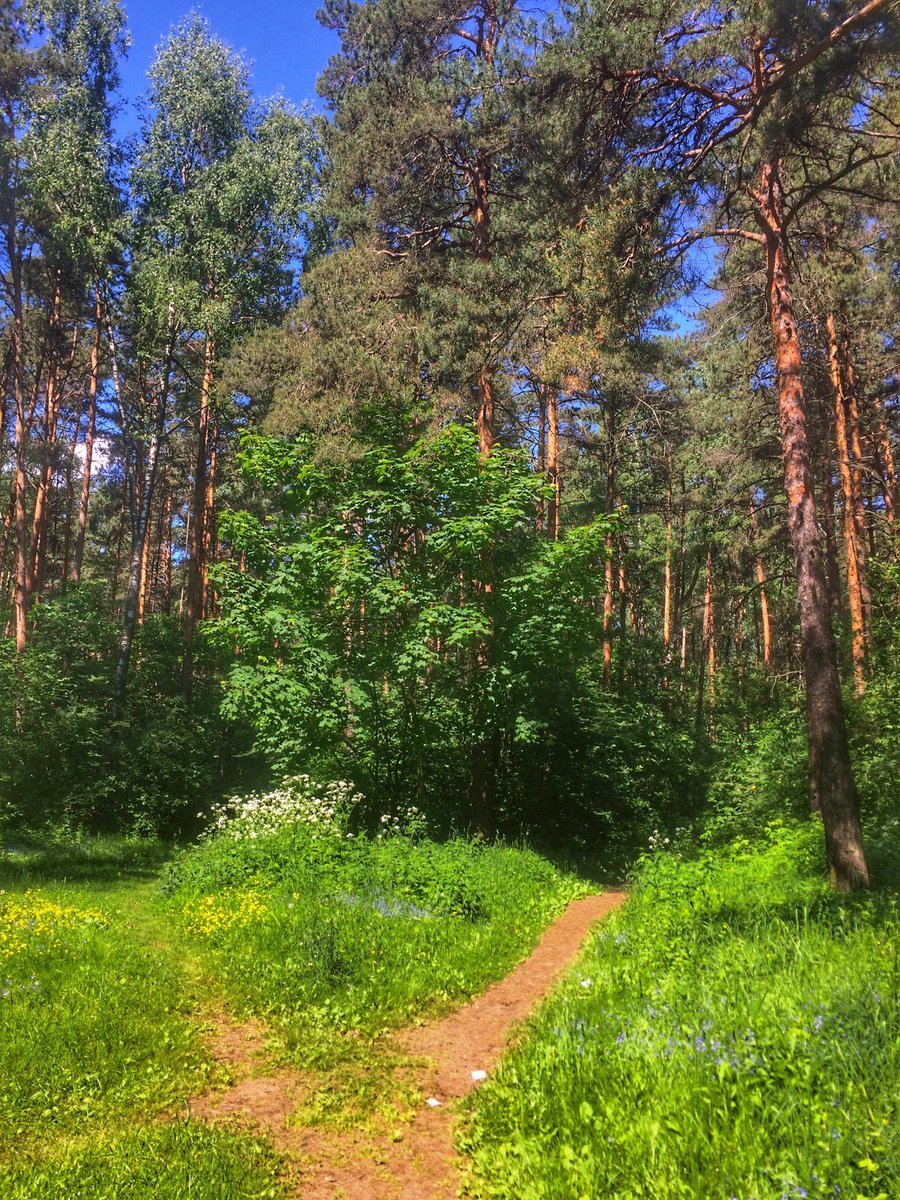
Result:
[[62, 762], [328, 927]]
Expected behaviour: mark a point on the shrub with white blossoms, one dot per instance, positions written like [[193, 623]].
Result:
[[409, 821], [325, 810]]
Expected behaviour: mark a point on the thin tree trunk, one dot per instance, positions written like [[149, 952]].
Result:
[[854, 544], [553, 464], [117, 564], [35, 575], [21, 425], [132, 595], [886, 466], [709, 629], [831, 777], [610, 545], [623, 617], [209, 516], [167, 553], [89, 443], [832, 573], [543, 392], [857, 465], [145, 569], [761, 584], [667, 582], [194, 590]]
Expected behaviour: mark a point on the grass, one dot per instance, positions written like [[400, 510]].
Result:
[[734, 1034], [181, 1160], [343, 933], [96, 1037], [107, 980]]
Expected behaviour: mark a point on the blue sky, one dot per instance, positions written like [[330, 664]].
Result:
[[282, 38]]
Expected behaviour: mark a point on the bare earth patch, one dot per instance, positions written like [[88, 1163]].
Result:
[[416, 1160]]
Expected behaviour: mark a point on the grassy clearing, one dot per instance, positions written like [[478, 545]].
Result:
[[95, 1037], [333, 938], [332, 931], [733, 1035], [92, 1018], [181, 1160]]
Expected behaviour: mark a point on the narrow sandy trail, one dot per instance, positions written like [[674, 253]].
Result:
[[420, 1163]]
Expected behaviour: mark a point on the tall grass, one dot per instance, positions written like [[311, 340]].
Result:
[[733, 1035], [331, 929]]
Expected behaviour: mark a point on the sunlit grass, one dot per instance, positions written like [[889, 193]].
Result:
[[733, 1035]]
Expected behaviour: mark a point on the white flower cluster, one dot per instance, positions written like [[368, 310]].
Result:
[[657, 841], [409, 820], [324, 808]]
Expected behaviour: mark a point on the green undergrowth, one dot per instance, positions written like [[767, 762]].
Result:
[[732, 1034], [179, 1160], [343, 932], [96, 1034]]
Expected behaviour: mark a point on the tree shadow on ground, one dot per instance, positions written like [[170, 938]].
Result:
[[31, 861]]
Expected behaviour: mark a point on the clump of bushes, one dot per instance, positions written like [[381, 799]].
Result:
[[325, 912]]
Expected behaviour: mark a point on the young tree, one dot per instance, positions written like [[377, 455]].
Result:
[[222, 186]]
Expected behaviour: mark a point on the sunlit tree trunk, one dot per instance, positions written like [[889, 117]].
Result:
[[832, 573], [195, 566], [89, 436], [142, 525], [610, 545], [35, 574], [761, 587], [831, 776], [854, 537], [667, 579], [553, 464]]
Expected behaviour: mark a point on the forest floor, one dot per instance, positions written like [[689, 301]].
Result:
[[125, 1073], [438, 1062]]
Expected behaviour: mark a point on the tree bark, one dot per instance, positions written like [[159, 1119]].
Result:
[[132, 594], [667, 580], [890, 486], [194, 590], [89, 443], [832, 573], [761, 585], [610, 545], [21, 424], [709, 628], [857, 468], [831, 777], [854, 536], [553, 464]]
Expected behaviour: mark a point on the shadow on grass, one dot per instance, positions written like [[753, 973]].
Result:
[[27, 860]]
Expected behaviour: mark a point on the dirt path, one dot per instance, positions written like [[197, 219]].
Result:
[[416, 1161]]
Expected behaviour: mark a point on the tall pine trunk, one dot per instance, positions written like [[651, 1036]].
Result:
[[553, 464], [854, 537], [831, 776]]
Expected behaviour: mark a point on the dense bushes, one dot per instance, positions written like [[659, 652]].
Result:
[[64, 763], [403, 622]]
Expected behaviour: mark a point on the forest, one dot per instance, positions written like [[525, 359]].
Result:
[[421, 507]]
